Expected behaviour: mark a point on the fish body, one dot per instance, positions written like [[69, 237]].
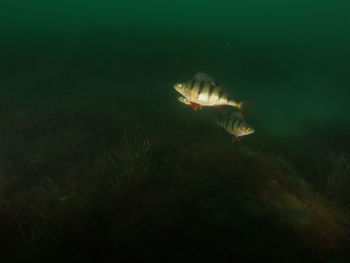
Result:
[[235, 124], [202, 90]]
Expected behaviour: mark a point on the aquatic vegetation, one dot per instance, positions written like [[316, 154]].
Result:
[[128, 190], [132, 158], [53, 191], [335, 177]]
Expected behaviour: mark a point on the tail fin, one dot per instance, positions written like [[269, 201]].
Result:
[[244, 107]]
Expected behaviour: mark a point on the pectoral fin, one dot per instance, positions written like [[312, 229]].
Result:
[[236, 138], [220, 108], [195, 106]]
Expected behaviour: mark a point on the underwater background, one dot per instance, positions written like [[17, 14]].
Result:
[[100, 162]]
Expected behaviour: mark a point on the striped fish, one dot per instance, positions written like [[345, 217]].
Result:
[[235, 124], [202, 90]]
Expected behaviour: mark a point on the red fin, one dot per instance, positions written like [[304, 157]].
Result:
[[236, 138], [220, 108], [194, 105]]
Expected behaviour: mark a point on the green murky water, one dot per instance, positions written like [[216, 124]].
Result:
[[99, 161]]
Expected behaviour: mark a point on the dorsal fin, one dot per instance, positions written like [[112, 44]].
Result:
[[201, 76], [236, 115]]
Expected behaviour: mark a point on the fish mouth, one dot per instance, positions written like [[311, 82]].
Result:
[[251, 132], [247, 133]]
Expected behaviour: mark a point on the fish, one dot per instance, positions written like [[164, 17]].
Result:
[[202, 90], [235, 124], [188, 102]]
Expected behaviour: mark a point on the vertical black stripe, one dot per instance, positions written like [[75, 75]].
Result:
[[239, 123], [210, 92], [233, 124], [192, 83], [201, 86]]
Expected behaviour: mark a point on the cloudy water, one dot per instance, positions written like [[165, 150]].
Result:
[[100, 159]]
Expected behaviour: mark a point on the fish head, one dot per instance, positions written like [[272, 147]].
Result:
[[184, 100], [181, 88], [245, 129]]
